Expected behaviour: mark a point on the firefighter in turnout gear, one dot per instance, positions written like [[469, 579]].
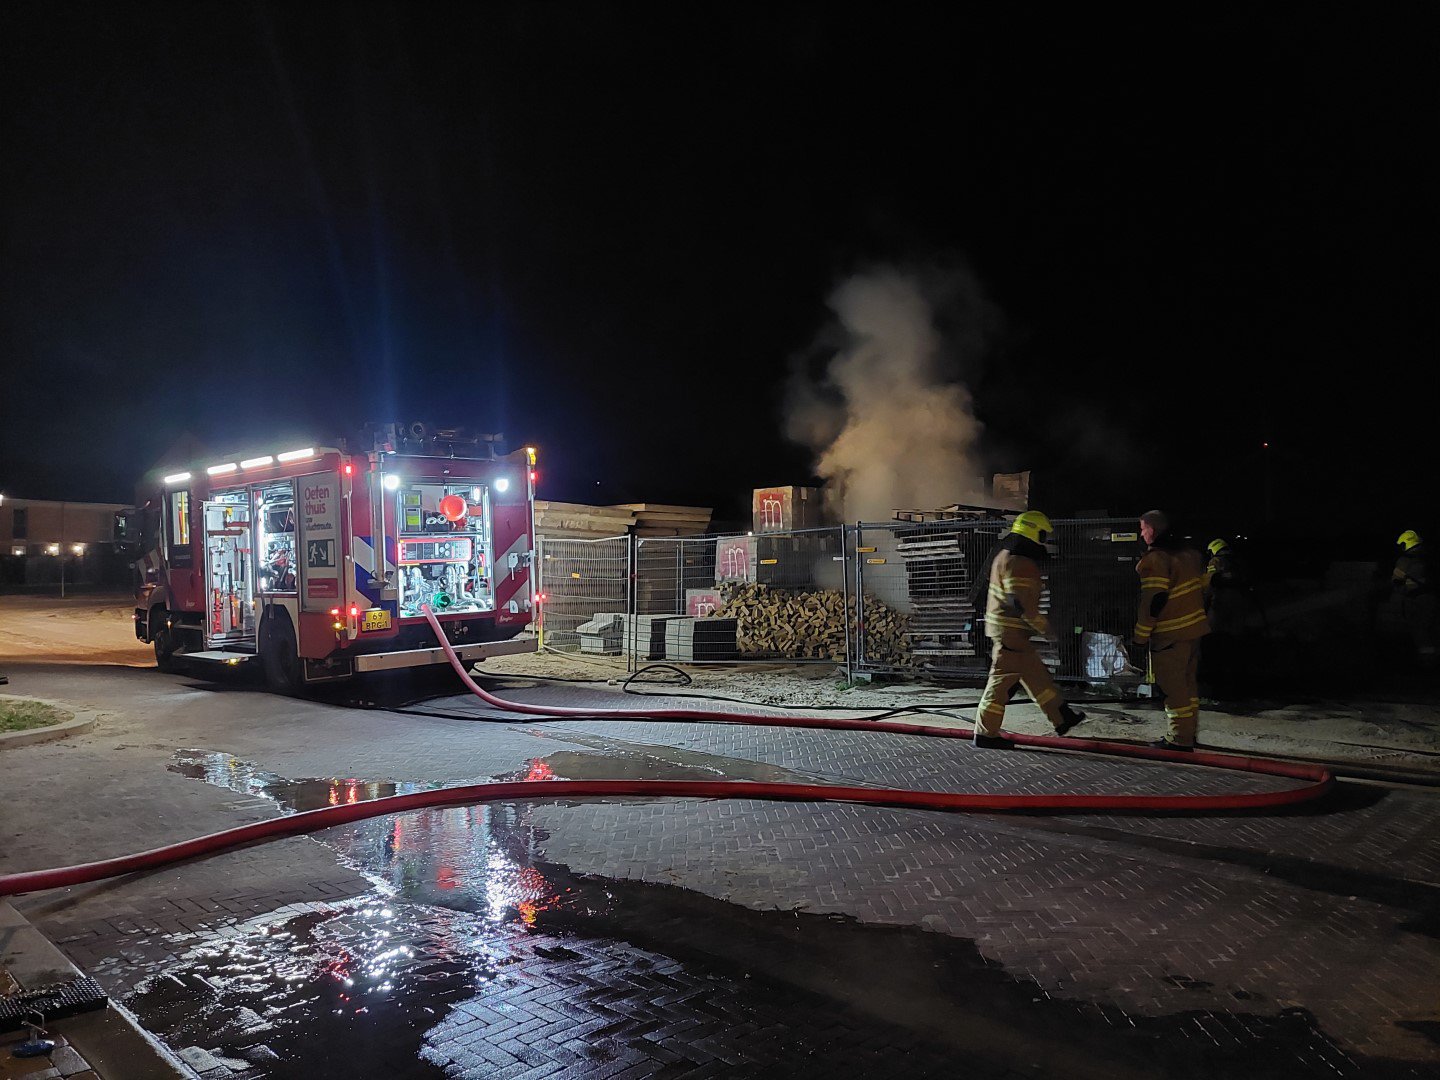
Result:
[[1170, 623], [1228, 602], [1416, 591], [1012, 616]]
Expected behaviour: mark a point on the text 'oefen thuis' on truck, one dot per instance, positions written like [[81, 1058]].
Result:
[[317, 561]]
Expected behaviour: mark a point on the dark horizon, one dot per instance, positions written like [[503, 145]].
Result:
[[609, 234]]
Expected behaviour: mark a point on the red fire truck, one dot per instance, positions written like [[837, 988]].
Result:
[[317, 561]]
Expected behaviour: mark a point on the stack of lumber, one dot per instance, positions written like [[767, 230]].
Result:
[[658, 519], [561, 520], [809, 624]]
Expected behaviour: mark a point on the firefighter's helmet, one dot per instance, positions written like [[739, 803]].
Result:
[[1408, 539], [1033, 525], [1217, 546]]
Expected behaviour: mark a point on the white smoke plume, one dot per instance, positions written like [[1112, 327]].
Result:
[[889, 418]]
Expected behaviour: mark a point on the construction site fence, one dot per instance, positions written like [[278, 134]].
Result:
[[899, 597], [578, 579]]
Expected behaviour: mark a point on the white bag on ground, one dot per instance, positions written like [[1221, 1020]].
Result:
[[1105, 655]]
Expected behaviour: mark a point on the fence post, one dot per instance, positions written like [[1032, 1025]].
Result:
[[845, 609], [680, 577], [538, 563], [859, 597], [632, 604]]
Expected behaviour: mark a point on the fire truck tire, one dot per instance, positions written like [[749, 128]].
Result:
[[163, 638], [279, 655]]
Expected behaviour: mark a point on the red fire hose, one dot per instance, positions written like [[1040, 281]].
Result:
[[1320, 782]]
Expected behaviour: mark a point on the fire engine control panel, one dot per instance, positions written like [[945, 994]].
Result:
[[442, 548]]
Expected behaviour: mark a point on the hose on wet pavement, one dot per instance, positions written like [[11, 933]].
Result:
[[1318, 781]]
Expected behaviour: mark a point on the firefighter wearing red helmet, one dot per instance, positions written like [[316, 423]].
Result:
[[1012, 617]]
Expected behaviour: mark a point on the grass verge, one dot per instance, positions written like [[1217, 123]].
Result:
[[23, 715]]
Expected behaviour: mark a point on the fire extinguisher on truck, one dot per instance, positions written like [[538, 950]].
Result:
[[317, 563]]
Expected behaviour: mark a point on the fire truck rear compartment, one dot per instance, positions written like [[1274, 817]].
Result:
[[442, 550]]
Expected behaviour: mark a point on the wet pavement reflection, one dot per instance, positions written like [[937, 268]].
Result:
[[474, 957], [456, 890]]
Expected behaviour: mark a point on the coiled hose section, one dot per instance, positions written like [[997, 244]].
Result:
[[1319, 781]]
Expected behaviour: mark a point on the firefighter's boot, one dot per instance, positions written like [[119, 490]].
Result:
[[1069, 717]]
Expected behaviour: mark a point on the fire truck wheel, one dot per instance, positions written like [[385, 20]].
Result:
[[163, 638], [279, 655]]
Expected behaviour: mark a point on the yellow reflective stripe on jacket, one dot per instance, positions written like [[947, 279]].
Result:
[[1007, 623], [1166, 626], [1179, 575], [1014, 584]]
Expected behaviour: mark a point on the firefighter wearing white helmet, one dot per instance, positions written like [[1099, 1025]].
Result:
[[1412, 583], [1012, 618]]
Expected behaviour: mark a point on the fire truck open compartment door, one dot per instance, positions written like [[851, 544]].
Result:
[[445, 548], [275, 538], [229, 569]]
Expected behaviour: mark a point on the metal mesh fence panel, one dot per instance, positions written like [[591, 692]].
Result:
[[580, 580], [921, 590], [1092, 575], [922, 584], [779, 596]]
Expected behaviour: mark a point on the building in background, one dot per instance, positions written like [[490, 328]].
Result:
[[45, 542]]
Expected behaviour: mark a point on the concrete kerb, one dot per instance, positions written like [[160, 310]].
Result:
[[83, 720], [110, 1040]]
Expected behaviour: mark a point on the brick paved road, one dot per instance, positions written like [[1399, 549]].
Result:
[[1295, 944]]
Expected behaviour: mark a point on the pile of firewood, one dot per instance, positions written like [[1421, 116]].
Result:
[[808, 624]]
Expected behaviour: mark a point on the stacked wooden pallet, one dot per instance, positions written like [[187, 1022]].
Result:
[[946, 560], [577, 521], [659, 519], [942, 562]]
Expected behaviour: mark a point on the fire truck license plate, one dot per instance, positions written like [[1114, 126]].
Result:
[[376, 619]]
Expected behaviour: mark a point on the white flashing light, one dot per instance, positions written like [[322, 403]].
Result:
[[218, 470], [78, 549], [392, 482], [256, 462], [296, 455], [177, 478], [502, 484]]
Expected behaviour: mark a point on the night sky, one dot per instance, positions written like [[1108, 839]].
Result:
[[607, 229]]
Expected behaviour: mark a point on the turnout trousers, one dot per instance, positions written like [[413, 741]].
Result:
[[1013, 659], [1177, 670]]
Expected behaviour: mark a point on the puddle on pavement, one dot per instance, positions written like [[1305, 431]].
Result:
[[468, 925], [228, 771]]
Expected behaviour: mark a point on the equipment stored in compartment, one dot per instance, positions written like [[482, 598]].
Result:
[[441, 549]]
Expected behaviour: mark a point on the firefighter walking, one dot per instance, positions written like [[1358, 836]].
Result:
[[1012, 616], [1170, 623]]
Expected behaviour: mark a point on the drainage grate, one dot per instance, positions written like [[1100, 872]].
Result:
[[52, 1002]]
